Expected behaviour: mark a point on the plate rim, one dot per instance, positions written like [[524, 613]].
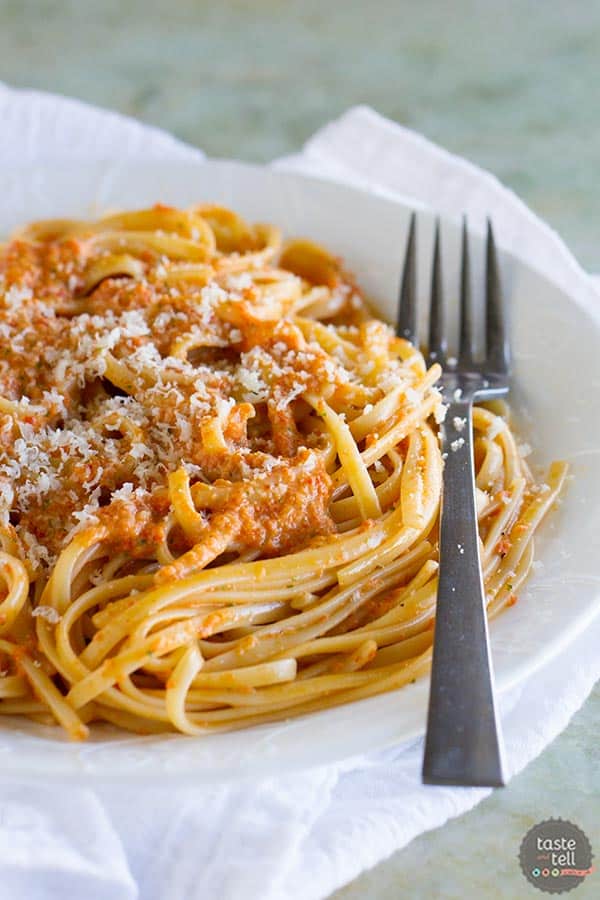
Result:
[[522, 669]]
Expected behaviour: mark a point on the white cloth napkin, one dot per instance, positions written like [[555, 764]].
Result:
[[302, 836]]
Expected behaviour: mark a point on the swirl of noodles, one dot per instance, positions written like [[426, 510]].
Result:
[[220, 479]]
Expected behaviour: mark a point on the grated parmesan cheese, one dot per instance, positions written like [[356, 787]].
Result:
[[51, 615], [15, 296]]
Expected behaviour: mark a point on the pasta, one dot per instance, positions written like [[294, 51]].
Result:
[[220, 479]]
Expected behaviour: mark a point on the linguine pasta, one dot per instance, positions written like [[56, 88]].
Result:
[[220, 479]]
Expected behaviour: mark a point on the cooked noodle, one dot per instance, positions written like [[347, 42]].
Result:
[[220, 479]]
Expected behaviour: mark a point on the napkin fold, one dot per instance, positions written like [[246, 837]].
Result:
[[298, 836]]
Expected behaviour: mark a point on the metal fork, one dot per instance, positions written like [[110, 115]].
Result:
[[463, 745]]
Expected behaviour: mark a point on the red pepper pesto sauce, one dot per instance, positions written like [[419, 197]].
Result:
[[83, 451]]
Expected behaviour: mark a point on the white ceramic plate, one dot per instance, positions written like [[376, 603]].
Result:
[[556, 395]]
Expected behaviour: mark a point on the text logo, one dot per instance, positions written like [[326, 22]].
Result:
[[555, 856]]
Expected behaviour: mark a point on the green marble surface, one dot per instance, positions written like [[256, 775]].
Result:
[[512, 85]]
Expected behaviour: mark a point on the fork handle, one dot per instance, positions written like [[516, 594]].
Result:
[[463, 745]]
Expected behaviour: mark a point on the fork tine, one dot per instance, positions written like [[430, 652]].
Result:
[[497, 346], [466, 346], [437, 329], [406, 326]]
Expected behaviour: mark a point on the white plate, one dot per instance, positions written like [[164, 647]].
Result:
[[556, 394]]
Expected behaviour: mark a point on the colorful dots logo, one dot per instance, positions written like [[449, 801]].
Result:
[[556, 856]]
